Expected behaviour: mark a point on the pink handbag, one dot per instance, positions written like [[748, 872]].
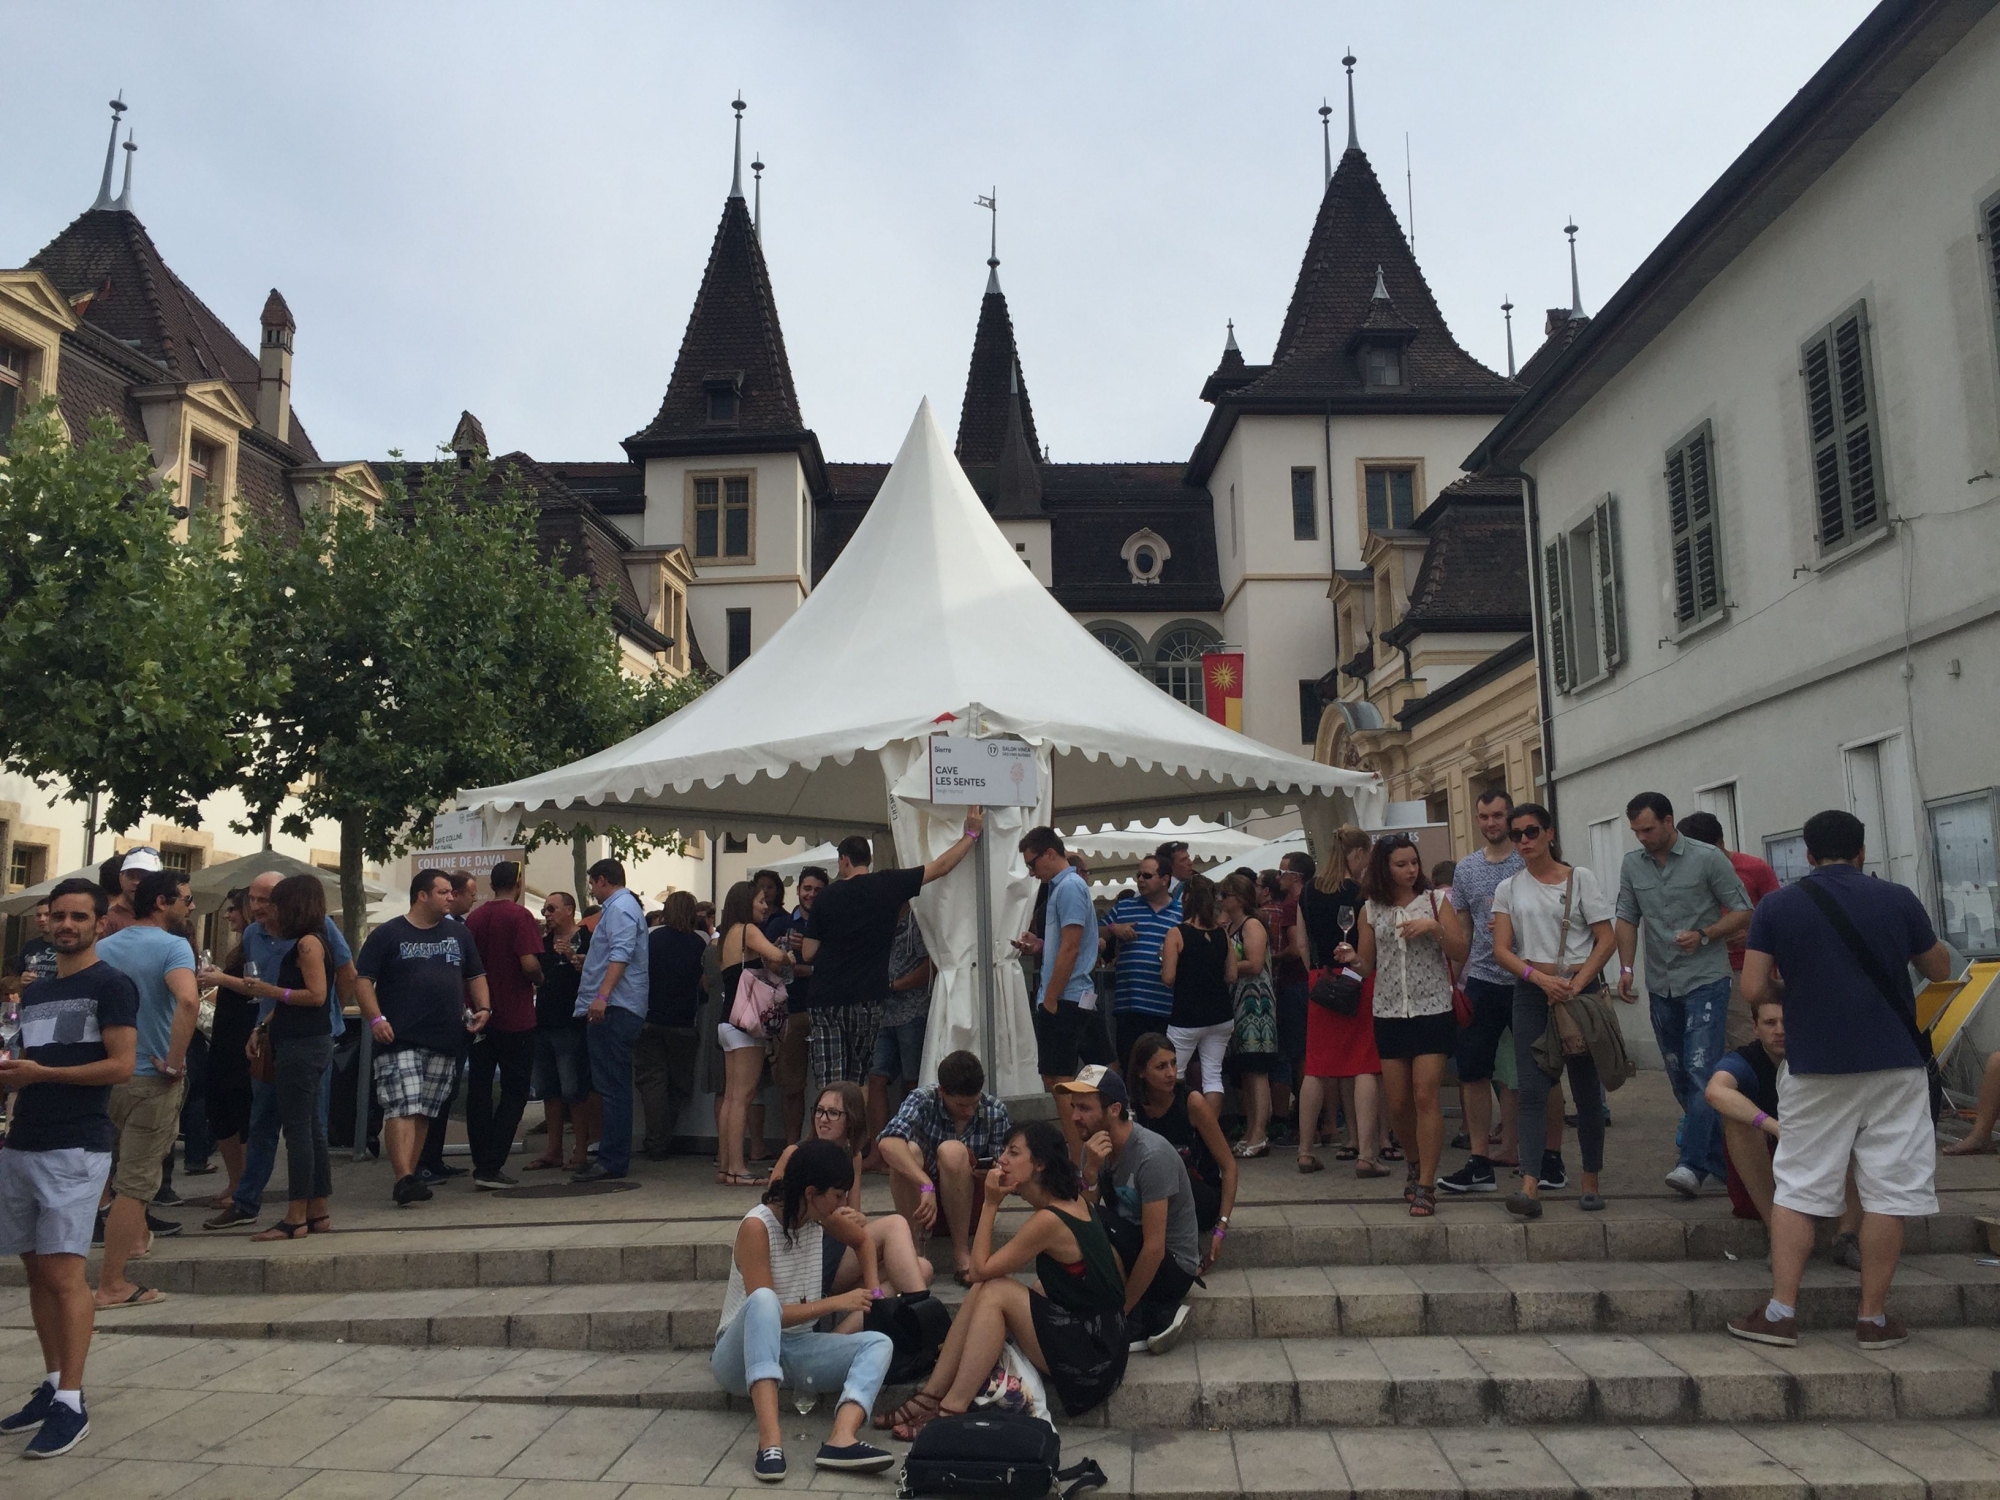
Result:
[[759, 1006]]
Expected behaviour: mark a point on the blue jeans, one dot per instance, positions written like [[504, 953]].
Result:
[[611, 1075], [756, 1346], [260, 1149], [1689, 1029]]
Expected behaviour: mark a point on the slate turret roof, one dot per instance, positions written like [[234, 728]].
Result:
[[1474, 575], [982, 420]]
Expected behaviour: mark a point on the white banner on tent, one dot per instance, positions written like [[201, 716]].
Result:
[[983, 773]]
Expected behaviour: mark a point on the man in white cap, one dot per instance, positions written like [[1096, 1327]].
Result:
[[120, 875]]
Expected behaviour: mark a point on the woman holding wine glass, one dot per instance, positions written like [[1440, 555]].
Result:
[[228, 1102], [1340, 1049]]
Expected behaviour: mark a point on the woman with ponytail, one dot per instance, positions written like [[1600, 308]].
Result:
[[1072, 1330], [766, 1334]]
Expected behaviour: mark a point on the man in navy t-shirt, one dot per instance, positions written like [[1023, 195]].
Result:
[[79, 1038], [1855, 1087]]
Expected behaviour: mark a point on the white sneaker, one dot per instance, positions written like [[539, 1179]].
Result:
[[1167, 1338], [1683, 1181]]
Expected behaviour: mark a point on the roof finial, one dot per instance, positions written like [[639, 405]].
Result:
[[1507, 312], [1575, 290], [1381, 288], [1326, 134], [736, 177], [118, 107], [757, 209], [124, 203], [1230, 342], [1353, 139], [991, 203]]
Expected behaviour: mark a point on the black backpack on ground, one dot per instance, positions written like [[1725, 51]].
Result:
[[916, 1323], [1002, 1456]]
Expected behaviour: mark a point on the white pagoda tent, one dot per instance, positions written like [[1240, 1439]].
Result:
[[929, 623]]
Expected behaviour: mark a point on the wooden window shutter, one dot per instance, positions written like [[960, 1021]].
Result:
[[1694, 528], [1555, 580], [1610, 582], [1841, 428], [1989, 223]]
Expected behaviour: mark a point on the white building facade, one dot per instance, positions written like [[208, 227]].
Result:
[[1765, 515]]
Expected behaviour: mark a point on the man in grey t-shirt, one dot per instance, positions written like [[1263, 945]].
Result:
[[1145, 1203]]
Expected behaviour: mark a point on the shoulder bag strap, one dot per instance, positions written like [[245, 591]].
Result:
[[1865, 958], [1562, 935], [1450, 969], [1080, 1476]]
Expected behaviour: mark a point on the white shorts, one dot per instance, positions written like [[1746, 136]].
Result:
[[1881, 1121], [1212, 1042], [733, 1039]]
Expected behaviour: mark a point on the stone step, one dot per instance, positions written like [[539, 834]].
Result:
[[1477, 1232], [1938, 1291], [1249, 1384]]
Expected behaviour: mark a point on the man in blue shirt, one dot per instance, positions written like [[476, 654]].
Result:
[[613, 998], [154, 952], [1067, 1003], [1855, 1087], [1141, 924]]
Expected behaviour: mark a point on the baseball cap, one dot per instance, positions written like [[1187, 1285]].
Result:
[[142, 858], [1099, 1080]]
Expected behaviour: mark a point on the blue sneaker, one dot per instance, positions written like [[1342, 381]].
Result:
[[34, 1413], [62, 1429], [770, 1465]]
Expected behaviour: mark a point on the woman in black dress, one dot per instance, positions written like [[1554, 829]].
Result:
[[1198, 963], [228, 1101], [1185, 1119], [300, 1036]]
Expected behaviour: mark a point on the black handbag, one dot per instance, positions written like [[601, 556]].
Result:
[[1006, 1456], [917, 1325], [1336, 990], [1892, 996]]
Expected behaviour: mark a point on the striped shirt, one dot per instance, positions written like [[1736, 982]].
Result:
[[1140, 988], [796, 1273]]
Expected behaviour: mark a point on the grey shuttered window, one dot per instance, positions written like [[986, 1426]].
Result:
[[1583, 572], [1694, 527], [1844, 430], [1989, 233]]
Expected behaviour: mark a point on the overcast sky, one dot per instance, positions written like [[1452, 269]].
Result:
[[507, 207]]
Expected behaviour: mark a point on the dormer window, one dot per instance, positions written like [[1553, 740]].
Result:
[[1145, 554], [13, 376], [1384, 365], [201, 472], [724, 391]]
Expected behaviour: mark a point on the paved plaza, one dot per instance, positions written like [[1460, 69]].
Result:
[[505, 1347]]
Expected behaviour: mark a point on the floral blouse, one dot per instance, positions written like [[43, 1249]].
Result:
[[1411, 978]]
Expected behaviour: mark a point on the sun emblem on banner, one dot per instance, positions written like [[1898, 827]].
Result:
[[1222, 676]]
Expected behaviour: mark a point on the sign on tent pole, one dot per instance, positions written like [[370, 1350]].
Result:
[[968, 771]]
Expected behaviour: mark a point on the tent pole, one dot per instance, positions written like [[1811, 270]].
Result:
[[983, 875]]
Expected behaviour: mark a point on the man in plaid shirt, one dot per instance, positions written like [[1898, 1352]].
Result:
[[935, 1147]]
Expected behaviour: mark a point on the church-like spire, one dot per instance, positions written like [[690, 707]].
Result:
[[736, 173], [991, 203], [124, 203], [118, 107], [994, 382], [1017, 479], [1229, 343], [1575, 288], [1353, 137]]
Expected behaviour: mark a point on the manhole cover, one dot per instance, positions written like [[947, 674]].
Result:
[[571, 1189]]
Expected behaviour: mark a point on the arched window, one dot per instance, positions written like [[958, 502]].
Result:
[[1177, 663], [1120, 645]]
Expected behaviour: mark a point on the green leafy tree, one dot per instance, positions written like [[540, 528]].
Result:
[[126, 660], [426, 647]]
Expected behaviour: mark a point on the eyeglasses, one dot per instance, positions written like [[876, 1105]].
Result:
[[1522, 835], [821, 1112]]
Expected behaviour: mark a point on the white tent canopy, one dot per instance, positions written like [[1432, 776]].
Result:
[[214, 883], [928, 612]]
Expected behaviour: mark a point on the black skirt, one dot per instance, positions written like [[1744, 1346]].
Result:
[[1085, 1354], [1420, 1036]]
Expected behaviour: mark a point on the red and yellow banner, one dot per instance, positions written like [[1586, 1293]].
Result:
[[1222, 687]]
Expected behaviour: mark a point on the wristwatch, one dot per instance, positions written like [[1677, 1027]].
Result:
[[1704, 937]]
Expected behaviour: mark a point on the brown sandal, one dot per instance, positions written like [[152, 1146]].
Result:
[[911, 1415], [1424, 1204], [1370, 1169], [1311, 1164]]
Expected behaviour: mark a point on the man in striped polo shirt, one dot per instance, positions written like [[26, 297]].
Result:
[[1141, 924]]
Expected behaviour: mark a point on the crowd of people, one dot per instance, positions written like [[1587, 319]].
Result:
[[1338, 999]]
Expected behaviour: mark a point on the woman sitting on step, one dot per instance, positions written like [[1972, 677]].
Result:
[[1072, 1329], [840, 1116], [766, 1334]]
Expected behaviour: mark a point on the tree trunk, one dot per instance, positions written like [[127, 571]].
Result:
[[579, 854], [353, 905]]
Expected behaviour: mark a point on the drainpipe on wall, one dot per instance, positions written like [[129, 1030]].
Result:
[[1332, 537], [1545, 700]]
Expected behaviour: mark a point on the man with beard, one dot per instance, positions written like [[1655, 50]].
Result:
[[155, 953]]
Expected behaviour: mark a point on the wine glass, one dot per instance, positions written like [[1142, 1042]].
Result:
[[1345, 917], [10, 1027]]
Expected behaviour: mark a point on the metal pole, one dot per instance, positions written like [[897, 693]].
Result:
[[983, 876]]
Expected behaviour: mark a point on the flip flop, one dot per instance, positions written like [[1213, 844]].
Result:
[[540, 1164], [1369, 1169], [142, 1296], [1311, 1164]]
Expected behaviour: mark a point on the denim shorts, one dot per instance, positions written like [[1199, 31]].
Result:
[[899, 1051], [562, 1063]]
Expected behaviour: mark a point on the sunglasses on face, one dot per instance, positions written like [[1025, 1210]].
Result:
[[1522, 835]]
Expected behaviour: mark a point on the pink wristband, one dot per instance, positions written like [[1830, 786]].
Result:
[[928, 1188], [1758, 1123], [1527, 971]]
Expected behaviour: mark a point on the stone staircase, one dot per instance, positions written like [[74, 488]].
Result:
[[1344, 1349]]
